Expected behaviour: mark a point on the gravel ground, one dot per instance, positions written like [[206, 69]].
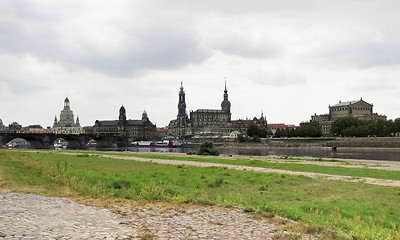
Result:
[[27, 216]]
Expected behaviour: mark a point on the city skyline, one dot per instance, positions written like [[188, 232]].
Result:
[[288, 59]]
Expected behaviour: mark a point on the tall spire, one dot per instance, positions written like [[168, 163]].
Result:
[[55, 121], [182, 102], [225, 86], [226, 105], [182, 117]]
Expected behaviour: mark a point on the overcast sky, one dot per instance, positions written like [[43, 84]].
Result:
[[289, 59]]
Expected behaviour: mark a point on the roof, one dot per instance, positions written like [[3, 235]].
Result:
[[341, 104], [244, 122], [136, 122], [108, 122], [208, 111]]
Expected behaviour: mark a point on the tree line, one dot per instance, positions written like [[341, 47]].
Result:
[[255, 132], [354, 127], [342, 127], [307, 130]]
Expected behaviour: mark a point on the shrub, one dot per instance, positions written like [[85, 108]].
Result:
[[207, 148], [193, 152], [214, 151]]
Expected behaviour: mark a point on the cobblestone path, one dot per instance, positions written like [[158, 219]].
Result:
[[27, 216]]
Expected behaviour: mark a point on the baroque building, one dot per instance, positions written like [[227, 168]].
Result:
[[66, 124], [208, 122], [142, 129], [66, 117], [201, 120], [359, 109]]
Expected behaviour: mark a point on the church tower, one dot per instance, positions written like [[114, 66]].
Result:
[[226, 105], [122, 120], [182, 115], [122, 115]]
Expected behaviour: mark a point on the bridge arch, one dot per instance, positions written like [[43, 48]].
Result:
[[60, 144], [18, 143]]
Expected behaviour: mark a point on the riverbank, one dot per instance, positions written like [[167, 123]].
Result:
[[325, 207], [375, 142]]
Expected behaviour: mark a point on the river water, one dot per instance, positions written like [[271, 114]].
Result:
[[389, 154]]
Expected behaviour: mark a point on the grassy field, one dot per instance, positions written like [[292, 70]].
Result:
[[361, 171], [331, 209]]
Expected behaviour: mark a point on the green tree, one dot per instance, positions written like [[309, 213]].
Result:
[[340, 124], [278, 133], [253, 130]]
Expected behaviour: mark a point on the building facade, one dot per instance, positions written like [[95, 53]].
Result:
[[142, 129], [208, 122], [202, 120], [359, 109]]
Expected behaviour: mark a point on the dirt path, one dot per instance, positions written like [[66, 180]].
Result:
[[345, 163]]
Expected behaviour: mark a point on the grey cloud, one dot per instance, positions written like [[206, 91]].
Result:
[[20, 86], [242, 47], [362, 53], [244, 6], [146, 41]]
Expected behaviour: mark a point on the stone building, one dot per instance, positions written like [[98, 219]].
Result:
[[201, 120], [275, 126], [242, 125], [34, 129], [359, 109], [142, 129], [66, 117], [208, 122], [66, 124], [14, 128]]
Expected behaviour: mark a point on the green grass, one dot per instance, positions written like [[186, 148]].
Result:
[[290, 166], [335, 209]]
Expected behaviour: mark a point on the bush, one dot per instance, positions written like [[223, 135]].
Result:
[[207, 148], [214, 151], [193, 152]]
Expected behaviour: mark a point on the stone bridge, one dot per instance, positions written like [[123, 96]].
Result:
[[78, 141]]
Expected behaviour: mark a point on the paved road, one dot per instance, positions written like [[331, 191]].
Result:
[[27, 216]]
